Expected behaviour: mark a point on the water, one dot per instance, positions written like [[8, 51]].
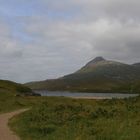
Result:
[[85, 95]]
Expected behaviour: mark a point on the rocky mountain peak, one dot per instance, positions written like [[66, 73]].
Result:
[[96, 60]]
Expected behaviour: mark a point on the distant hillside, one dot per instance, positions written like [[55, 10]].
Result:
[[13, 88], [137, 65], [99, 75]]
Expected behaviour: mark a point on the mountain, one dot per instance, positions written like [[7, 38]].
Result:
[[98, 75], [14, 89], [137, 65]]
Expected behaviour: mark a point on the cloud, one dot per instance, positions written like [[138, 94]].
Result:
[[100, 37], [70, 34], [89, 9]]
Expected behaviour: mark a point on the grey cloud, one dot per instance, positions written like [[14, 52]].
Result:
[[126, 9], [60, 46], [103, 36]]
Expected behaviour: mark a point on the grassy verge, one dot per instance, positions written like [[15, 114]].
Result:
[[13, 96], [10, 102], [70, 119]]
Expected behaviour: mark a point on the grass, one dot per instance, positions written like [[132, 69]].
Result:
[[12, 96], [70, 119], [9, 102], [59, 118]]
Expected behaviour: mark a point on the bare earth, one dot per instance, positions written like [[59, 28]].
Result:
[[5, 132]]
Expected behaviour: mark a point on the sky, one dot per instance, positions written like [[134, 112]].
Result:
[[45, 39]]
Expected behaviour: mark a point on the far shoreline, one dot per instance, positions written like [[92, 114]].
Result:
[[93, 98], [81, 95]]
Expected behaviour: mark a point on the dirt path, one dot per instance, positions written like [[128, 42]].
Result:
[[5, 132]]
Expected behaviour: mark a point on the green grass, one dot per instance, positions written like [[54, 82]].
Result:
[[59, 118], [12, 96], [70, 119], [9, 102]]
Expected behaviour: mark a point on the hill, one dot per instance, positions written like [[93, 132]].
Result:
[[137, 65], [14, 88], [98, 75]]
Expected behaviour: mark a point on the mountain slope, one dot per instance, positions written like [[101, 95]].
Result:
[[13, 88], [99, 75], [137, 65]]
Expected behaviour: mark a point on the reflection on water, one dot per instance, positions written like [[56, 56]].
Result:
[[78, 94]]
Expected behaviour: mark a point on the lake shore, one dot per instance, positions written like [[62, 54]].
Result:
[[79, 95], [91, 97]]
